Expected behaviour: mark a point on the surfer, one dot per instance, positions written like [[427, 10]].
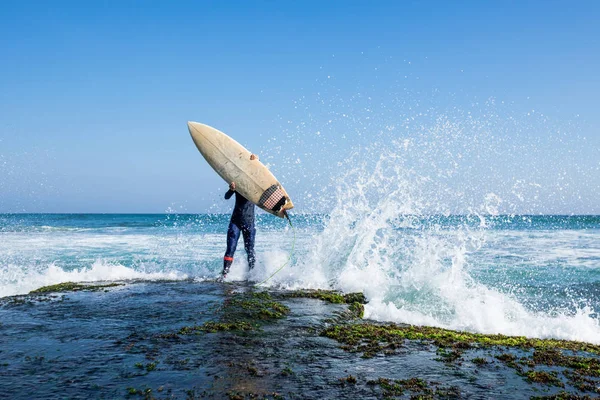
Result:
[[242, 221]]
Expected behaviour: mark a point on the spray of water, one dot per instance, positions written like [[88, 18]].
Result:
[[411, 213]]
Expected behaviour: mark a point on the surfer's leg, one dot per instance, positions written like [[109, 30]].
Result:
[[249, 234], [233, 235]]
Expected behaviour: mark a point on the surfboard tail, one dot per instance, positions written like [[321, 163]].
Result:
[[275, 200]]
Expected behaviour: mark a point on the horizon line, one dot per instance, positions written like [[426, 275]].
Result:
[[299, 214]]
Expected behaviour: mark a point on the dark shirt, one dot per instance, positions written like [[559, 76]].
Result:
[[243, 212]]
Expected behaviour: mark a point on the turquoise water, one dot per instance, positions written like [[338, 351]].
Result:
[[534, 275]]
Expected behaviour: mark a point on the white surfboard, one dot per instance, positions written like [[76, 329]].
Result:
[[232, 162]]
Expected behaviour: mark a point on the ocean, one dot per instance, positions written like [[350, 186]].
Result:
[[537, 276]]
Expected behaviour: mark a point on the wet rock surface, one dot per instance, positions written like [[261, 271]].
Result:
[[188, 340]]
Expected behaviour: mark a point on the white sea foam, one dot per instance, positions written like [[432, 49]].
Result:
[[419, 273], [16, 280]]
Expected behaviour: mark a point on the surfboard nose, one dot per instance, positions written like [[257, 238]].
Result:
[[194, 128]]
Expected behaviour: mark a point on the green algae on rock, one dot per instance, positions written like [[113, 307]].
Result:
[[579, 368], [148, 367], [72, 287], [582, 382], [330, 296], [479, 361], [348, 379], [544, 377], [146, 393], [584, 365], [239, 395], [562, 396], [357, 310], [448, 355], [213, 327], [419, 388], [370, 336], [253, 306], [239, 312]]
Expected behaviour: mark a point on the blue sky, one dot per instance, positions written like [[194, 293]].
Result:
[[95, 96]]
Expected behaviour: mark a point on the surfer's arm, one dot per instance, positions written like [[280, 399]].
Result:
[[230, 191]]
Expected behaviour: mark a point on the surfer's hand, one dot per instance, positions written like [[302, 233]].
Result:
[[253, 157], [232, 186]]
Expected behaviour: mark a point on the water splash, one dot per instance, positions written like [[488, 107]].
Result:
[[386, 236]]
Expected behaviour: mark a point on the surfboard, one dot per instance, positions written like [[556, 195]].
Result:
[[231, 161]]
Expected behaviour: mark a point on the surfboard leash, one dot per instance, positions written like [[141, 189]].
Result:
[[291, 252]]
